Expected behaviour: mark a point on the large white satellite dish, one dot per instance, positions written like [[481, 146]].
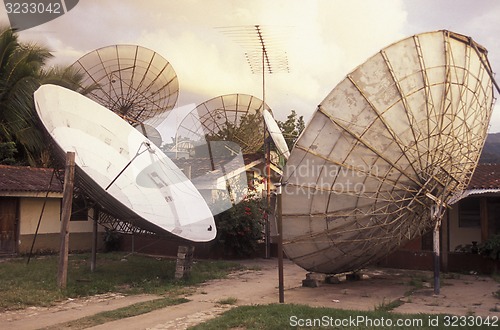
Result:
[[121, 169], [390, 145], [275, 132]]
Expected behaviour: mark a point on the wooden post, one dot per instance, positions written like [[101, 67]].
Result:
[[184, 262], [69, 177], [95, 233], [281, 284]]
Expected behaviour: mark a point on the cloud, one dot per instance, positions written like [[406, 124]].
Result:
[[324, 39]]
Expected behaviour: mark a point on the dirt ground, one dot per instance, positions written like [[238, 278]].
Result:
[[460, 295]]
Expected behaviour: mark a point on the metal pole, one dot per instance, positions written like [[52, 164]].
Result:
[[437, 263], [40, 217], [268, 224], [281, 285], [437, 216], [267, 145]]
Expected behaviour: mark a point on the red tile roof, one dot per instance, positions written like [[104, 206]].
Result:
[[28, 179], [486, 176]]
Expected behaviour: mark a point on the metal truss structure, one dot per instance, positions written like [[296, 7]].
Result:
[[385, 152], [135, 82]]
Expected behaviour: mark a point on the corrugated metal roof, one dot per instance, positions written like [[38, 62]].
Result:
[[485, 180], [28, 179]]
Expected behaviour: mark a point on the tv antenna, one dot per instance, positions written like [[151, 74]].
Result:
[[263, 56]]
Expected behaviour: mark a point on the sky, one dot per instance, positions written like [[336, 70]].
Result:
[[324, 40]]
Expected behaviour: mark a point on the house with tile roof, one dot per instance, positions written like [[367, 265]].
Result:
[[29, 196], [473, 218], [30, 202]]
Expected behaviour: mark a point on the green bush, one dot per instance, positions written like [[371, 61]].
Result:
[[112, 240], [491, 248], [240, 228]]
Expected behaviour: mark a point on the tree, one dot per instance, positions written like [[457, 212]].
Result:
[[7, 152], [20, 66], [291, 128], [247, 133], [21, 73], [68, 77]]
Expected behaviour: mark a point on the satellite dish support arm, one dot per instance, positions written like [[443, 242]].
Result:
[[137, 154]]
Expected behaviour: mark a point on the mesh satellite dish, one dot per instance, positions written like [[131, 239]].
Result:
[[220, 131], [233, 117], [122, 170], [275, 133], [134, 82], [390, 144]]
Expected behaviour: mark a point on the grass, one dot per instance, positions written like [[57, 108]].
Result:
[[284, 316], [228, 301], [23, 285], [417, 281], [389, 306], [120, 313]]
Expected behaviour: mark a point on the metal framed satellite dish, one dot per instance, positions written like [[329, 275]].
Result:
[[275, 133], [220, 131], [385, 151], [122, 170], [232, 117], [134, 82]]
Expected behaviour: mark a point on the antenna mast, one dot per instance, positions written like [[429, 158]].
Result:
[[262, 57]]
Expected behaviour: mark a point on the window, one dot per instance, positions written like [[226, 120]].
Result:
[[428, 241], [79, 209], [469, 213]]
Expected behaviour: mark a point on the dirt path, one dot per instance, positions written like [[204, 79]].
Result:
[[461, 295]]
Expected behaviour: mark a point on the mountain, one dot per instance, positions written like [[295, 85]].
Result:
[[491, 150]]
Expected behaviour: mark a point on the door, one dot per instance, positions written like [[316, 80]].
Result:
[[8, 230]]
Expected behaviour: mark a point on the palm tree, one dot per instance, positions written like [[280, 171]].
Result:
[[21, 73], [20, 66], [68, 77]]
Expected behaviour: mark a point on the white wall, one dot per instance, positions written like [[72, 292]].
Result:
[[458, 235], [30, 210]]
